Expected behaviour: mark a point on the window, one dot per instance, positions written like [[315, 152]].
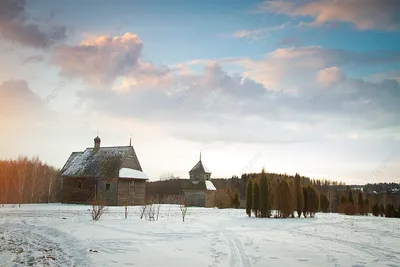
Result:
[[108, 187], [79, 185]]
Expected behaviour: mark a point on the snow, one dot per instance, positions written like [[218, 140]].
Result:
[[210, 185], [131, 173], [64, 235]]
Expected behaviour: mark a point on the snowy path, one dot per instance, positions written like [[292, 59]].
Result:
[[63, 235]]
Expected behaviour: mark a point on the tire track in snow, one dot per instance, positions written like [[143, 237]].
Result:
[[237, 253]]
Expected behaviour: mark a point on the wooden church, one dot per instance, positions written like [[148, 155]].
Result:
[[199, 190], [109, 174]]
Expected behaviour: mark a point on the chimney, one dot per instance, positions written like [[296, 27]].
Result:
[[97, 141]]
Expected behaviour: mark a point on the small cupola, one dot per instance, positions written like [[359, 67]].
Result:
[[97, 142]]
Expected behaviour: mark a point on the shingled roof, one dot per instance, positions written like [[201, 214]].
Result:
[[200, 167], [100, 162]]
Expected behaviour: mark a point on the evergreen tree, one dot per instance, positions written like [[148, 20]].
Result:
[[366, 206], [375, 209], [236, 202], [264, 194], [360, 201], [305, 194], [285, 201], [299, 194], [351, 198], [324, 203], [313, 200], [249, 196], [381, 210], [256, 198], [343, 200], [398, 212]]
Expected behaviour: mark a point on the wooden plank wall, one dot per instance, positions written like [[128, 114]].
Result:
[[72, 194], [134, 195]]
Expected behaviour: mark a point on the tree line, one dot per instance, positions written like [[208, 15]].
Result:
[[284, 196], [28, 180]]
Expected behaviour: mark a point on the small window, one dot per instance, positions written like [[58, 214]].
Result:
[[79, 185], [108, 187]]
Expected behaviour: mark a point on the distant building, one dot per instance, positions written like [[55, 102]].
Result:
[[200, 191], [109, 174]]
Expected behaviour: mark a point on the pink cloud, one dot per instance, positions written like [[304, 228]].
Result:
[[100, 60], [364, 14], [331, 75]]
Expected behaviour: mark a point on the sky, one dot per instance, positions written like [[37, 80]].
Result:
[[307, 86]]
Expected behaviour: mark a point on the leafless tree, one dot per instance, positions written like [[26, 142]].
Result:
[[5, 176], [20, 181], [183, 207], [98, 208], [51, 183], [35, 192], [142, 210], [168, 176]]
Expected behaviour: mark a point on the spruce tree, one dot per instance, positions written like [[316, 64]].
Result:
[[249, 196], [313, 200], [375, 209], [263, 193], [398, 211], [256, 198], [360, 201], [381, 210], [236, 202], [366, 206], [351, 198], [305, 194], [299, 194], [343, 200], [285, 201]]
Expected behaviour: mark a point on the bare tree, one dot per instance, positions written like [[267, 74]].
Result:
[[51, 175], [20, 180], [33, 181], [168, 176], [98, 208], [183, 207], [5, 176], [142, 210]]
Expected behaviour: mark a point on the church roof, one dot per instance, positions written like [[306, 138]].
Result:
[[200, 167], [100, 162], [198, 185]]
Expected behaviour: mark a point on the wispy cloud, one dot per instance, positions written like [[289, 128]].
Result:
[[33, 59], [364, 14], [257, 31]]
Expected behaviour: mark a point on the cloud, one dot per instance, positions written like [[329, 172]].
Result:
[[18, 103], [331, 76], [302, 63], [16, 27], [364, 14], [100, 60], [256, 33], [32, 59], [273, 92]]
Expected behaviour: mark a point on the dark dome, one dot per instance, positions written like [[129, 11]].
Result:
[[97, 139]]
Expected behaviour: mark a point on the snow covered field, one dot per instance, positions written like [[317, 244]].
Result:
[[63, 235]]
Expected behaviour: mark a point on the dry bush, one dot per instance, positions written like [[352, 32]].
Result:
[[153, 212], [98, 210], [183, 207], [142, 210]]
